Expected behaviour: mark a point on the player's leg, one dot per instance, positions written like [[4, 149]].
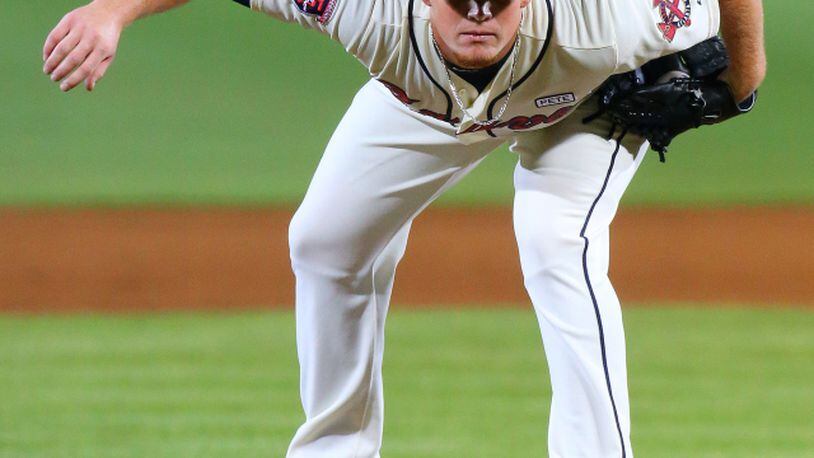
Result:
[[569, 181], [381, 168]]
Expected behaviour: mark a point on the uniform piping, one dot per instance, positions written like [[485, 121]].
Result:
[[414, 43], [593, 296]]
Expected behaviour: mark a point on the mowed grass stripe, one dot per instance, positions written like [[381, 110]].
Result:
[[705, 382]]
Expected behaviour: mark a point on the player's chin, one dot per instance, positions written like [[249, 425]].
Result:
[[477, 56]]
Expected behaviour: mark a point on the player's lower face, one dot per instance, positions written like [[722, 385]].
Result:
[[478, 50], [475, 34]]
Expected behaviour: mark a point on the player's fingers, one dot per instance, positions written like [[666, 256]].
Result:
[[84, 70], [62, 49], [98, 74], [76, 58], [55, 37]]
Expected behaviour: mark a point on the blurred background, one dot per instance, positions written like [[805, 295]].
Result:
[[145, 293]]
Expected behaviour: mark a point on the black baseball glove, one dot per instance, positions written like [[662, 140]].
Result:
[[671, 95]]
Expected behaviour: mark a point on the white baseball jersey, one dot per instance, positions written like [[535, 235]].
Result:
[[567, 49]]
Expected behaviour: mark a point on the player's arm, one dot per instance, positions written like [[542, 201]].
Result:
[[742, 31], [84, 42]]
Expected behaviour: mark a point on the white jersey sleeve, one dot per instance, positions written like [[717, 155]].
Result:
[[360, 26], [648, 29]]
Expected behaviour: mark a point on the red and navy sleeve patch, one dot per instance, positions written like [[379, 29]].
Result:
[[674, 14], [321, 9]]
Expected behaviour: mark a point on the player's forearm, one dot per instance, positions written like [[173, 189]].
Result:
[[742, 31], [127, 11]]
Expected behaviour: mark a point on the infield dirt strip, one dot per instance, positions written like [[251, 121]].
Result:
[[209, 258]]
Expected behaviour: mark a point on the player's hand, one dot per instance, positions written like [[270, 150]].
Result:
[[82, 46]]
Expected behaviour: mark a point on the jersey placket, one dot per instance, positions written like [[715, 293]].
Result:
[[477, 104]]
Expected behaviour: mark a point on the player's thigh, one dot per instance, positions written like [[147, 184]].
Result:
[[568, 183], [381, 167]]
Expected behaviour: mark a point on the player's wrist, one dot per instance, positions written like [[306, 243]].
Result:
[[120, 12], [743, 87]]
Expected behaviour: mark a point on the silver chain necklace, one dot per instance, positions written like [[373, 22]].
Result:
[[454, 89]]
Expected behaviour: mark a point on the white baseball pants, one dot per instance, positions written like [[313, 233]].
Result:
[[383, 165]]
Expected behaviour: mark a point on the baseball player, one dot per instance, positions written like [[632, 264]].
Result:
[[451, 80]]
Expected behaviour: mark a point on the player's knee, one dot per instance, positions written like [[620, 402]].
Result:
[[307, 242], [317, 246]]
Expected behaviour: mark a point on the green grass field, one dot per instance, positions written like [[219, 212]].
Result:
[[704, 383], [216, 104]]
